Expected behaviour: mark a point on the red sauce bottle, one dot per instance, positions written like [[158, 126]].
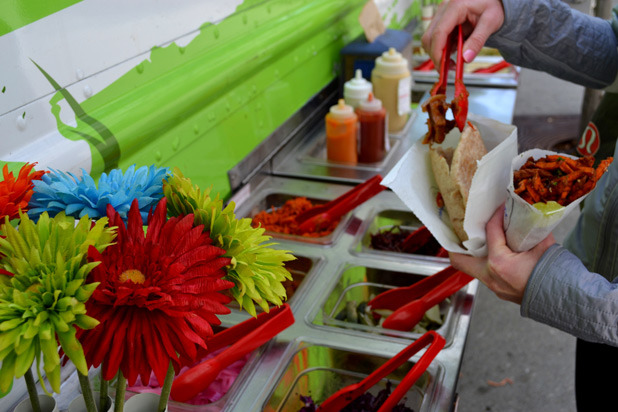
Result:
[[373, 134]]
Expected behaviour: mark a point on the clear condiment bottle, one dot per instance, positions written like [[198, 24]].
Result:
[[373, 134], [341, 133], [356, 89], [392, 84]]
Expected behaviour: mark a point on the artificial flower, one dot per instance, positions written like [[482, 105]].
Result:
[[64, 192], [43, 292], [16, 193], [256, 268], [158, 296]]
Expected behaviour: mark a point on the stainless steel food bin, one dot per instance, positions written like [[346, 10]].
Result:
[[270, 386]]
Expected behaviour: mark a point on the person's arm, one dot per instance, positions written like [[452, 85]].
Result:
[[562, 293], [545, 35], [550, 36]]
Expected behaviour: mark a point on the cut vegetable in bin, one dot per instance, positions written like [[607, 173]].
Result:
[[361, 313], [298, 216], [281, 219], [398, 239], [367, 402]]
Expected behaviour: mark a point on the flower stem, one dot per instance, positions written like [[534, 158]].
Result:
[[103, 391], [166, 389], [32, 392], [84, 383], [121, 386]]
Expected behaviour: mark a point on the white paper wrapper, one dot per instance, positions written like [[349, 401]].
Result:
[[412, 180], [525, 225]]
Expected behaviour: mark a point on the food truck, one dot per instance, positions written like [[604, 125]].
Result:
[[234, 95]]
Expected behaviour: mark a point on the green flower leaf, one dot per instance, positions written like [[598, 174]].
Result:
[[7, 372]]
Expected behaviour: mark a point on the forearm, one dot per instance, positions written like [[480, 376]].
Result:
[[562, 293], [550, 36]]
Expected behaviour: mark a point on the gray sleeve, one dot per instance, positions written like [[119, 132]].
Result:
[[550, 36], [562, 293]]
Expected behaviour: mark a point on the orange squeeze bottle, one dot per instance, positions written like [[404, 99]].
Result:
[[341, 133]]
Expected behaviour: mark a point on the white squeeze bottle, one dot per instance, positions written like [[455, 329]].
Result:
[[356, 89], [392, 84]]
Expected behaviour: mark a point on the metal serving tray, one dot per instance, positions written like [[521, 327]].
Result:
[[318, 351], [508, 78], [319, 371], [305, 156]]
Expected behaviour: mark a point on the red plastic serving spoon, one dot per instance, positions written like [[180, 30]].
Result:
[[321, 216], [246, 337], [407, 316], [346, 395]]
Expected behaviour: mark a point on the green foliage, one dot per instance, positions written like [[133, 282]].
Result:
[[257, 269], [43, 294]]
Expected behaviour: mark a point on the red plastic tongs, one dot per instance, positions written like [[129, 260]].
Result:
[[410, 303], [343, 397], [243, 338], [321, 216], [459, 105]]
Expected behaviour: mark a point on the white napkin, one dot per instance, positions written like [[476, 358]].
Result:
[[413, 182]]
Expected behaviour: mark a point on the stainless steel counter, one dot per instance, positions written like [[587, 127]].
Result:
[[306, 157]]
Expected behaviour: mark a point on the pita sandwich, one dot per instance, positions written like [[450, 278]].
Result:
[[454, 170]]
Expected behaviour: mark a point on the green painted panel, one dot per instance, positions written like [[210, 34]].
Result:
[[19, 13], [205, 106]]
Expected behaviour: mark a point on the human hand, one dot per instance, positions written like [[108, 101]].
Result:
[[480, 19], [503, 271]]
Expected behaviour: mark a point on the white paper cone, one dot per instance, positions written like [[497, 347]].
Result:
[[525, 225], [411, 179]]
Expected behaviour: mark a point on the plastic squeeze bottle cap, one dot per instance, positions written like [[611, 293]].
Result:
[[342, 110], [371, 104], [358, 87], [392, 62]]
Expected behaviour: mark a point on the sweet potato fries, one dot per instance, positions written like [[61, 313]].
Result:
[[557, 178]]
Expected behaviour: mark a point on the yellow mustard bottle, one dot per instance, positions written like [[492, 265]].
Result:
[[392, 84]]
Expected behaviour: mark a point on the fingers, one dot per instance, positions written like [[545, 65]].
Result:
[[485, 17], [496, 240], [471, 265], [442, 25], [539, 249], [489, 22]]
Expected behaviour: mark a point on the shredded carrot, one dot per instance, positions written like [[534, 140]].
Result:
[[281, 219]]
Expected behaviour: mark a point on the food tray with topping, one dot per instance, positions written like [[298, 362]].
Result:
[[320, 353]]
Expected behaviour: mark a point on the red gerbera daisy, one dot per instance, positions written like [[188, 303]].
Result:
[[16, 193], [158, 296]]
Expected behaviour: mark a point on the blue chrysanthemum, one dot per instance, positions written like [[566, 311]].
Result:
[[59, 191]]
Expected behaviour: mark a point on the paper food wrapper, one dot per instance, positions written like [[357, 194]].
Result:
[[411, 179], [525, 225]]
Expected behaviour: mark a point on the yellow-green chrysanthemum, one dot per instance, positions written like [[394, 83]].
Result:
[[43, 268], [257, 269]]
